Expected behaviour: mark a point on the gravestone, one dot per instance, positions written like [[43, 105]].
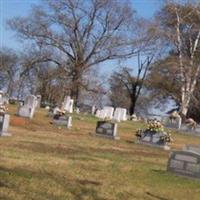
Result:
[[93, 109], [106, 129], [63, 121], [4, 125], [68, 104], [39, 98], [108, 112], [97, 113], [153, 139], [28, 109], [185, 163], [101, 114], [120, 114], [77, 110], [4, 99], [175, 123]]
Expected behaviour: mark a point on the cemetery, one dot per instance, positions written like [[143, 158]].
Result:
[[99, 100], [51, 156]]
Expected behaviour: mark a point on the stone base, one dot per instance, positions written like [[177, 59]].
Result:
[[5, 134], [106, 136], [165, 147]]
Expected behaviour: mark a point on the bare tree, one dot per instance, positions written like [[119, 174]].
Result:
[[83, 33], [9, 66], [180, 24], [133, 83]]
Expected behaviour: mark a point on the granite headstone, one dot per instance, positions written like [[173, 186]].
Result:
[[185, 163], [107, 129]]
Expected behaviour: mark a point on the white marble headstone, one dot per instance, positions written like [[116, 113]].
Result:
[[4, 121], [28, 109], [93, 109], [108, 112], [68, 104], [120, 114]]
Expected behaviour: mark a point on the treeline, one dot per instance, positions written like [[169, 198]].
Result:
[[67, 39]]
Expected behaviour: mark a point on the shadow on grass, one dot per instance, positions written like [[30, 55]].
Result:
[[78, 188], [88, 153], [156, 196], [160, 172]]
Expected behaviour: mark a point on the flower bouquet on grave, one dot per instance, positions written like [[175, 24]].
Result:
[[155, 127], [166, 137]]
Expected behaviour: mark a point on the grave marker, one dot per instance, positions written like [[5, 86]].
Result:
[[68, 104], [153, 139], [120, 114], [108, 112], [4, 124], [63, 121], [106, 129], [28, 109], [186, 163]]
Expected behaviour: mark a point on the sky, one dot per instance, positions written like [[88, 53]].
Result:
[[13, 8]]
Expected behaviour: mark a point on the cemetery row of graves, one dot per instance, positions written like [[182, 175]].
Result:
[[185, 162]]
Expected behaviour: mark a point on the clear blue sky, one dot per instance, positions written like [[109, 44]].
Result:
[[12, 8]]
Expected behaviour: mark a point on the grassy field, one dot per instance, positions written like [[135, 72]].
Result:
[[44, 162]]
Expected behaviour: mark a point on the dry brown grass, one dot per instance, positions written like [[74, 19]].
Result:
[[44, 162]]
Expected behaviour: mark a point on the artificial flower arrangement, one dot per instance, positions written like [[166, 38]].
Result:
[[153, 127]]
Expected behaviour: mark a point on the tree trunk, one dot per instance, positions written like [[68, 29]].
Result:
[[75, 89], [185, 99], [132, 106]]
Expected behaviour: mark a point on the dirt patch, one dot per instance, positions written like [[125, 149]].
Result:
[[18, 121]]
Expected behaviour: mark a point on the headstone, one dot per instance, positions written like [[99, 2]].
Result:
[[120, 114], [153, 139], [93, 109], [101, 114], [97, 113], [117, 115], [108, 112], [63, 121], [77, 110], [4, 99], [68, 104], [106, 129], [175, 123], [39, 98], [1, 97], [186, 163], [28, 109], [4, 125]]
